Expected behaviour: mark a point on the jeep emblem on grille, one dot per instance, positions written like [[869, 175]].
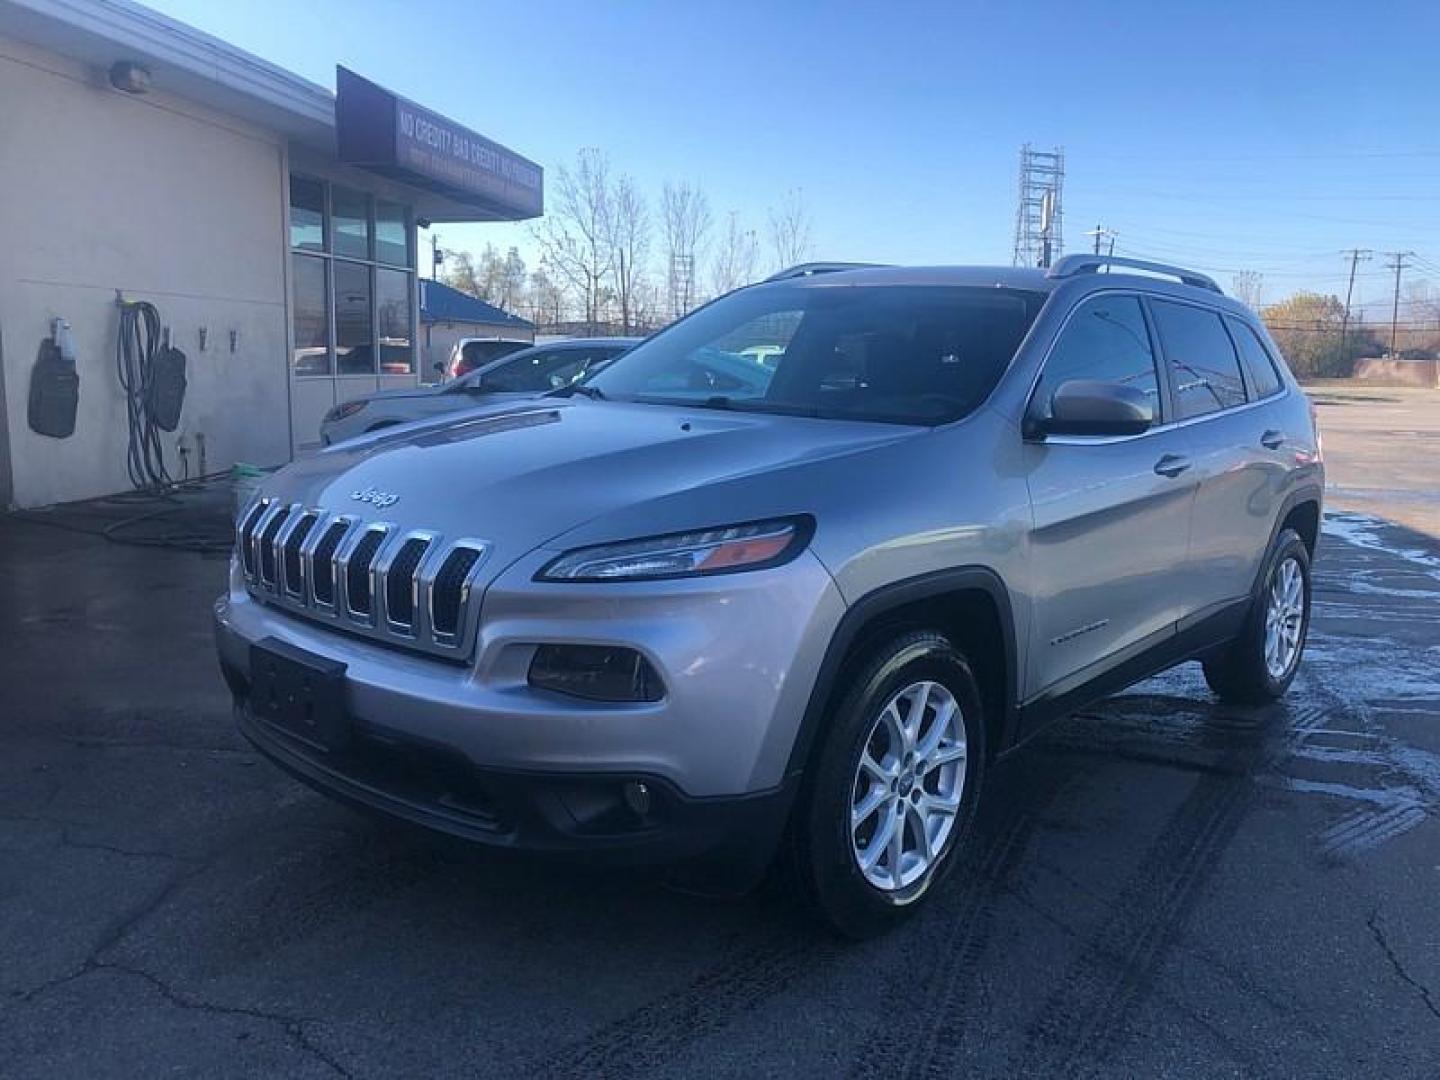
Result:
[[375, 497]]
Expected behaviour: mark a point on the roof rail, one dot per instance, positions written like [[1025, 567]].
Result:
[[810, 269], [1070, 265]]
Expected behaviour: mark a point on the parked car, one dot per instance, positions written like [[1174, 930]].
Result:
[[472, 353], [656, 621], [530, 371]]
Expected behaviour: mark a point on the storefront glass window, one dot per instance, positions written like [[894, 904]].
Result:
[[354, 312], [307, 214], [392, 234], [392, 319], [351, 211], [312, 316], [354, 348]]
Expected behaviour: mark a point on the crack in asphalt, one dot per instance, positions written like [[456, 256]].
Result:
[[94, 962], [1373, 922], [65, 839], [293, 1026]]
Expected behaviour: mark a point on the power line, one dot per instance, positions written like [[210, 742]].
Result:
[[1332, 155]]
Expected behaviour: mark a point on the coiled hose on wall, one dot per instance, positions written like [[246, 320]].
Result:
[[136, 348]]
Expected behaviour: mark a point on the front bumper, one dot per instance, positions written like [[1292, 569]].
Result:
[[472, 750], [583, 815]]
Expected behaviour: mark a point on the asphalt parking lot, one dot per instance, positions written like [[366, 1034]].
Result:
[[1160, 886], [1383, 449]]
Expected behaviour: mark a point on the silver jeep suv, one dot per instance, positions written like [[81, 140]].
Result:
[[790, 574]]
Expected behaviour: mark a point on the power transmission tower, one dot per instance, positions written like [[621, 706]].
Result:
[[682, 284], [1039, 215], [1356, 254], [1396, 263]]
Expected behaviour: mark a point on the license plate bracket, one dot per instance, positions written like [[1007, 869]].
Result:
[[300, 693]]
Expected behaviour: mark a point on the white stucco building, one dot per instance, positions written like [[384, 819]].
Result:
[[270, 220]]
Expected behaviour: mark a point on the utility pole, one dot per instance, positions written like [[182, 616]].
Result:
[[1099, 232], [437, 256], [1356, 254], [1396, 263]]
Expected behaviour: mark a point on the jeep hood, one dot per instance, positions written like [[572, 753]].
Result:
[[519, 474]]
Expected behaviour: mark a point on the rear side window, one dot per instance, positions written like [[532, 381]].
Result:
[[1204, 370], [1259, 367], [1105, 339]]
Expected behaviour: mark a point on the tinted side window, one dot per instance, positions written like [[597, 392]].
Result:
[[1204, 370], [1259, 367], [1105, 339]]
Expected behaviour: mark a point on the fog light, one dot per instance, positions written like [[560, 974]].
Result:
[[637, 797], [595, 672]]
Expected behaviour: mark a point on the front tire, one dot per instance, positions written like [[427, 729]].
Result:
[[1260, 664], [893, 790]]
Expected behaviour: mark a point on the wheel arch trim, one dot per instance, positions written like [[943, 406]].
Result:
[[887, 598], [1308, 494]]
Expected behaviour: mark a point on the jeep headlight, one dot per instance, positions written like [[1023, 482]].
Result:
[[724, 550]]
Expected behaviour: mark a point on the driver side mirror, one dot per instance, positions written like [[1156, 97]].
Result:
[[1094, 407]]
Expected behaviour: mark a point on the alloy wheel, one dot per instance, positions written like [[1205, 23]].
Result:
[[908, 785], [1284, 618]]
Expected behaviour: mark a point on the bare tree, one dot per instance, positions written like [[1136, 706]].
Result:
[[736, 254], [547, 299], [575, 237], [511, 286], [461, 273], [649, 308], [790, 229], [686, 220], [1248, 286], [630, 238]]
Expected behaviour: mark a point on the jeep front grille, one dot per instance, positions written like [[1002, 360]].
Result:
[[409, 587]]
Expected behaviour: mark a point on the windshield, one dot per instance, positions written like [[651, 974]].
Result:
[[895, 353]]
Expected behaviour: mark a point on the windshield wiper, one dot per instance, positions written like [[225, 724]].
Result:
[[762, 405], [725, 403]]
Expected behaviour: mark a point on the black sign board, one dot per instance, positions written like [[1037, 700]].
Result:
[[382, 132]]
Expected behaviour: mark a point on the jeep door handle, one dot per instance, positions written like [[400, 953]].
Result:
[[1172, 465], [1272, 439]]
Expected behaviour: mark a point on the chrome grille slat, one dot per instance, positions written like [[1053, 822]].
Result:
[[290, 542], [399, 576], [360, 577], [267, 546], [246, 544], [449, 593], [409, 587], [321, 560]]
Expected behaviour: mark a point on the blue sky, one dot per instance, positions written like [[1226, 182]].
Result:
[[1231, 136]]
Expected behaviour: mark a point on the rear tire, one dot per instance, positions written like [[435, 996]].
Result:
[[891, 793], [1260, 664]]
